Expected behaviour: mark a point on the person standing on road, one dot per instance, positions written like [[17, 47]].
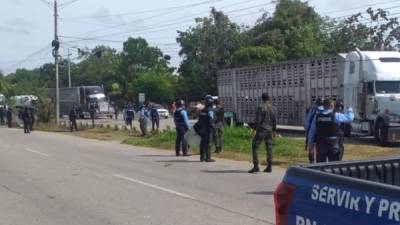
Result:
[[26, 118], [324, 131], [182, 125], [265, 127], [2, 114], [203, 128], [218, 125], [143, 120], [310, 113], [92, 112], [339, 108], [9, 117], [129, 116], [155, 118], [72, 119]]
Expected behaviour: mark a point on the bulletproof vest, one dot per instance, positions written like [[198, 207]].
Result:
[[204, 119], [129, 113], [326, 126], [219, 114], [180, 122]]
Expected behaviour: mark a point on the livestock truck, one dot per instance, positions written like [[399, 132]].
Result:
[[367, 81], [83, 98]]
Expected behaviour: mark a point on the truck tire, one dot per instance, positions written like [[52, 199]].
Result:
[[381, 133]]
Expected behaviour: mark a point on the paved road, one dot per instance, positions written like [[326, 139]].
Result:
[[49, 179]]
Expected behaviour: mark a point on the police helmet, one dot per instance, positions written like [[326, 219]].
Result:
[[208, 100], [339, 104], [319, 101], [180, 103]]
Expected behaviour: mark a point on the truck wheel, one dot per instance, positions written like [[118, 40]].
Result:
[[382, 133]]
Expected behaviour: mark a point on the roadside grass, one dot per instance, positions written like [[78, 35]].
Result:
[[237, 144]]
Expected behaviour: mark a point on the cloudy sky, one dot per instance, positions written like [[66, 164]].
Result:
[[27, 26]]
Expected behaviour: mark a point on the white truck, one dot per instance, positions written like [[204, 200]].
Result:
[[367, 81], [2, 101], [82, 98], [22, 101]]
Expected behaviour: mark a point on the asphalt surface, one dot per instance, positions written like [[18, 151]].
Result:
[[49, 178]]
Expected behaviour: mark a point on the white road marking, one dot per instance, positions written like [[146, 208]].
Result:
[[37, 152], [155, 187]]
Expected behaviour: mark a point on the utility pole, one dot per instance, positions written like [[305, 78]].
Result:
[[69, 69], [56, 45]]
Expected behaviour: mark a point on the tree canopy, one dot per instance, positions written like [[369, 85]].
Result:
[[295, 30]]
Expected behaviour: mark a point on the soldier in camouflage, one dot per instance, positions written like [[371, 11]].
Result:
[[265, 127]]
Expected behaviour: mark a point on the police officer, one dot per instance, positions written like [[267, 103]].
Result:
[[92, 112], [155, 118], [129, 116], [72, 119], [324, 131], [218, 125], [26, 119], [310, 113], [265, 126], [339, 108], [9, 117], [2, 114], [143, 119], [182, 125], [203, 128]]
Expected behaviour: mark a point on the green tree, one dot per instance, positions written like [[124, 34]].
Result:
[[98, 67], [256, 55], [206, 48], [294, 31], [158, 86], [138, 57], [381, 33]]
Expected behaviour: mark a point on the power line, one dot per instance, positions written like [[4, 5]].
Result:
[[118, 41], [176, 19], [358, 7], [68, 3], [29, 57], [143, 12], [169, 24]]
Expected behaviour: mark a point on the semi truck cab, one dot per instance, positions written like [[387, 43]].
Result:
[[371, 84]]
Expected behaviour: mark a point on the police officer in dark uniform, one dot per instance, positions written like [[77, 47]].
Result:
[[182, 126], [72, 119], [92, 112], [339, 108], [155, 118], [9, 117], [2, 114], [204, 127], [27, 120], [310, 114], [324, 131], [265, 126], [218, 125]]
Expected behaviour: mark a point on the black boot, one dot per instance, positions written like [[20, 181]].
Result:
[[268, 169], [255, 168]]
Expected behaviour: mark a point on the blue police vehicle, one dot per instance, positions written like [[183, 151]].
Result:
[[340, 193]]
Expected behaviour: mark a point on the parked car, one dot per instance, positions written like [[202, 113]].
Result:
[[163, 112]]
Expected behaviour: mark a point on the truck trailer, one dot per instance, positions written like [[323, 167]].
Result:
[[367, 81], [83, 98]]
